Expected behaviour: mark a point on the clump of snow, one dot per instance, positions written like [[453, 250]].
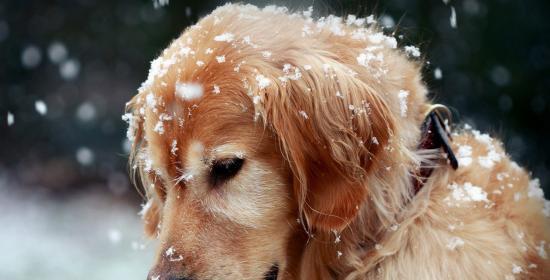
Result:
[[374, 140], [132, 125], [69, 69], [465, 193], [31, 57], [452, 19], [220, 59], [455, 242], [338, 254], [263, 82], [402, 95], [170, 251], [541, 249], [256, 99], [159, 127], [490, 159], [57, 52], [10, 119], [84, 156], [336, 236], [174, 147], [266, 54], [534, 189], [41, 107], [188, 91], [516, 269], [216, 89], [145, 207], [464, 155], [412, 51], [225, 37], [303, 114], [438, 74]]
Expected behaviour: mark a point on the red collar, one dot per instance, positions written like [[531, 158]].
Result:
[[435, 134]]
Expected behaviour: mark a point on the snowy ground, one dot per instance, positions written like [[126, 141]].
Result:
[[86, 236]]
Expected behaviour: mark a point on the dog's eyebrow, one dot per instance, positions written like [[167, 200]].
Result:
[[228, 150]]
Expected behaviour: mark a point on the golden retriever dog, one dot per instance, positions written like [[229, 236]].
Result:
[[272, 145]]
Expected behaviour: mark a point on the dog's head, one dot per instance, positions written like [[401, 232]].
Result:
[[254, 127]]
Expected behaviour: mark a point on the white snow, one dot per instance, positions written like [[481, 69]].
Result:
[[220, 59], [263, 82], [41, 107], [174, 147], [338, 254], [541, 249], [216, 89], [57, 52], [188, 91], [489, 160], [516, 269], [464, 155], [303, 114], [84, 156], [438, 74], [10, 119], [86, 112], [256, 99], [534, 189], [225, 37], [412, 51], [170, 251], [452, 19], [465, 193], [402, 95], [454, 243], [145, 207], [69, 69], [159, 127], [31, 57]]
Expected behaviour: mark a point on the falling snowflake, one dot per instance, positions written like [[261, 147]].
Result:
[[452, 19], [10, 119], [41, 107]]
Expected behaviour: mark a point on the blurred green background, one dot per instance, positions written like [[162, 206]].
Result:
[[84, 59]]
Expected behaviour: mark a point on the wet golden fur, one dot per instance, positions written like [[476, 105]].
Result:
[[329, 149]]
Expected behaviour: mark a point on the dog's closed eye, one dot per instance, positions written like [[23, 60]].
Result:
[[224, 169]]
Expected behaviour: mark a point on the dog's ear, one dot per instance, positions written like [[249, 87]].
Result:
[[331, 125]]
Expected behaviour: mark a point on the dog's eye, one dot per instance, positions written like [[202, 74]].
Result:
[[225, 169]]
